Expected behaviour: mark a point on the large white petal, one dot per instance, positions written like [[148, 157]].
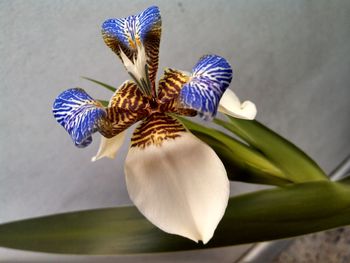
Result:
[[180, 186], [109, 147], [231, 105]]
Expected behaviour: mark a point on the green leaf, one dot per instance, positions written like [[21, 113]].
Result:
[[242, 163], [260, 216], [109, 87], [104, 103], [345, 179], [297, 166]]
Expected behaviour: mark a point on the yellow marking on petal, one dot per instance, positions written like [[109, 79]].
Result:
[[156, 129], [132, 44], [138, 41]]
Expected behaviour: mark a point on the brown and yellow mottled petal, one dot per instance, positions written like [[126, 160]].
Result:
[[152, 41], [170, 84], [169, 89], [156, 129], [175, 106], [183, 111], [127, 106], [129, 97]]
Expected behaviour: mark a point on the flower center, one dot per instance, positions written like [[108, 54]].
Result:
[[154, 106]]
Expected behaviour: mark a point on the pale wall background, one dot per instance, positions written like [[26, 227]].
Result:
[[290, 57]]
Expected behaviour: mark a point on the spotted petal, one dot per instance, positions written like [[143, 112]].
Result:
[[175, 180], [126, 34], [126, 106], [79, 114], [210, 78], [171, 84]]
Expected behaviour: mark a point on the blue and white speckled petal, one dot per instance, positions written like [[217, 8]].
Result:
[[79, 114], [210, 78], [124, 36]]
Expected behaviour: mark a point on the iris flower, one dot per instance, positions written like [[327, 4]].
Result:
[[175, 180]]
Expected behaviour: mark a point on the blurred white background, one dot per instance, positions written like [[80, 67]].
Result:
[[290, 57]]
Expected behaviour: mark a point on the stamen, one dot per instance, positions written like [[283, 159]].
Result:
[[138, 70]]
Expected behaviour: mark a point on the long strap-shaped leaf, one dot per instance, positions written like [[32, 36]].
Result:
[[107, 86], [297, 166], [264, 215]]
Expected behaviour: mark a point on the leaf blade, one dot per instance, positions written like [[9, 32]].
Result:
[[104, 103], [107, 86], [264, 215], [296, 164]]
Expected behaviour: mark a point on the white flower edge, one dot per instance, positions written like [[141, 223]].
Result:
[[109, 147], [231, 105], [180, 186]]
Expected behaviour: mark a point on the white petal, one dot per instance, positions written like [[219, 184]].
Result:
[[109, 147], [231, 105], [136, 67], [180, 186]]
